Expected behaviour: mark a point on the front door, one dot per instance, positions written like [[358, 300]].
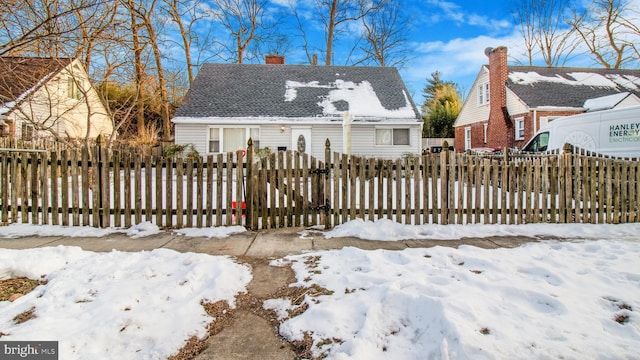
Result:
[[301, 139]]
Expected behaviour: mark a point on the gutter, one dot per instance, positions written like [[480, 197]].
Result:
[[291, 121], [558, 108]]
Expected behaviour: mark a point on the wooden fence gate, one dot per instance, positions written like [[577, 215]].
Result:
[[286, 189]]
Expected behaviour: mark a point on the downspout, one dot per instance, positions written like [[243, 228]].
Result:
[[535, 119]]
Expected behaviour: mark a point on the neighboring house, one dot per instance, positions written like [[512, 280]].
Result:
[[361, 110], [49, 97], [509, 104]]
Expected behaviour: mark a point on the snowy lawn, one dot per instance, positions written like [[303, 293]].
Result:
[[576, 299], [569, 300], [117, 305]]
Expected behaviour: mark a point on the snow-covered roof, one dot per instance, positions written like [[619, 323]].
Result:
[[606, 102], [297, 92], [569, 87]]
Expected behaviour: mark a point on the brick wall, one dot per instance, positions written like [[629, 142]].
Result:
[[477, 136], [500, 133]]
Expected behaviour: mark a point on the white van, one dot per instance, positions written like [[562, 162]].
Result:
[[613, 132]]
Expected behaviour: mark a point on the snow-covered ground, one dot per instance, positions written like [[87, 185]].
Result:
[[572, 299]]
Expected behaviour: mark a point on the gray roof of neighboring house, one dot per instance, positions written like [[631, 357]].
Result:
[[569, 87], [296, 91]]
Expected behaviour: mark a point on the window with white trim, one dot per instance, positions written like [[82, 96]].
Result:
[[519, 128], [483, 93], [392, 136], [467, 138], [229, 139]]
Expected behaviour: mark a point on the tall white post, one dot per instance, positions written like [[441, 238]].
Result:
[[347, 119]]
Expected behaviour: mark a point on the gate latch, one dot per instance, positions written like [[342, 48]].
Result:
[[324, 171], [326, 207]]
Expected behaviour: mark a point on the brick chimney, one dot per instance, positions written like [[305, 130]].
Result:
[[500, 131], [274, 59]]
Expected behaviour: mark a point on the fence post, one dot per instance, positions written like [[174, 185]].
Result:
[[249, 183], [327, 185], [444, 184], [100, 183], [567, 175]]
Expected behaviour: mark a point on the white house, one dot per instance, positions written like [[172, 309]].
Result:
[[363, 111], [49, 97]]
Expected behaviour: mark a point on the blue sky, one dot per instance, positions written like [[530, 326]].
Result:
[[450, 37], [443, 35], [447, 36]]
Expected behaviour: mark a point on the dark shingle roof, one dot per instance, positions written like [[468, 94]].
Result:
[[21, 74], [569, 87], [250, 90]]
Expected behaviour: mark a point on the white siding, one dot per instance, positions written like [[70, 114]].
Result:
[[471, 112], [514, 104], [51, 107], [274, 136], [195, 134], [319, 136]]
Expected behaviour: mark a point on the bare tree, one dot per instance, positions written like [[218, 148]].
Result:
[[606, 32], [146, 16], [306, 46], [94, 26], [334, 14], [41, 27], [544, 30], [131, 5], [243, 20], [186, 14], [634, 33], [385, 34], [523, 15]]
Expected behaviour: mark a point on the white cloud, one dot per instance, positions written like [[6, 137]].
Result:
[[458, 60], [288, 3], [452, 12], [491, 24]]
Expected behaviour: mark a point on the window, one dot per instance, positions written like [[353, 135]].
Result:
[[214, 140], [27, 132], [232, 139], [255, 137], [539, 143], [73, 92], [467, 138], [392, 136], [483, 93], [520, 128]]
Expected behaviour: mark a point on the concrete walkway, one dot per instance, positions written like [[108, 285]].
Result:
[[259, 244], [249, 332]]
